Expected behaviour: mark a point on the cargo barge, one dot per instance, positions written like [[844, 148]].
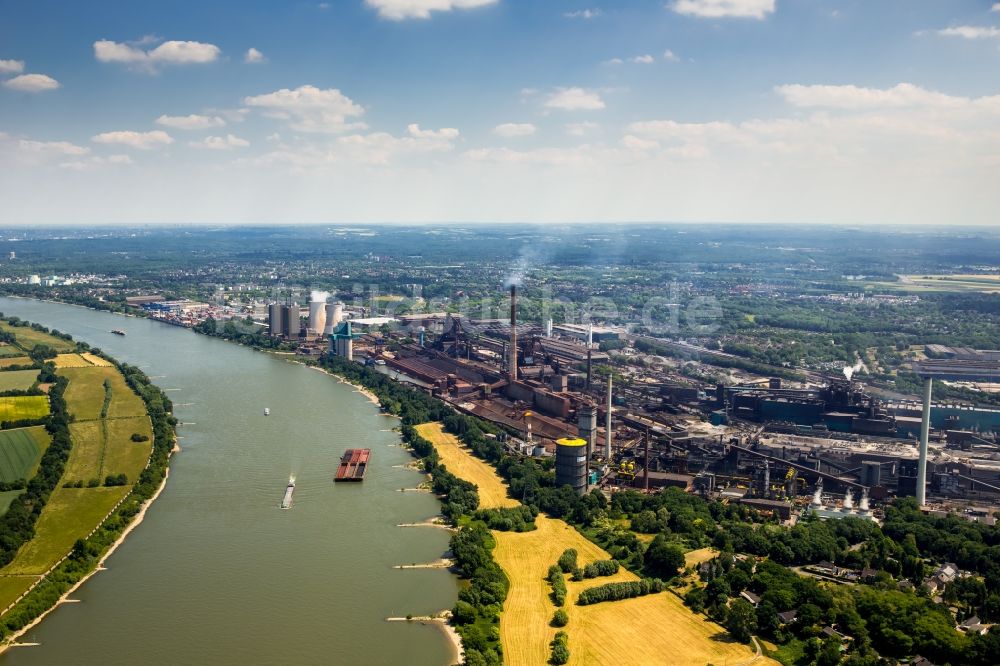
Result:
[[286, 501], [353, 464]]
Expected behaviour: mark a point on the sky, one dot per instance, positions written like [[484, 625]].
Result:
[[861, 112]]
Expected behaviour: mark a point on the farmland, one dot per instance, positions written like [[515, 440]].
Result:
[[11, 588], [101, 448], [17, 380], [636, 631], [23, 407], [85, 394], [70, 514], [20, 451], [28, 338], [8, 361]]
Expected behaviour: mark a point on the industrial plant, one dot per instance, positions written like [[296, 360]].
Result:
[[829, 446]]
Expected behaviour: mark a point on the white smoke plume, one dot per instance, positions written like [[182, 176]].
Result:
[[319, 296], [851, 369]]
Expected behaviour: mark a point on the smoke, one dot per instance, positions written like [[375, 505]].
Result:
[[851, 369], [528, 257], [319, 296]]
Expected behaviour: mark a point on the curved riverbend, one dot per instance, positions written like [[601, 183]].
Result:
[[217, 573]]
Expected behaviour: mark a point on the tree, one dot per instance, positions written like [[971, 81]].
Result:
[[559, 618], [742, 620], [663, 559], [463, 613]]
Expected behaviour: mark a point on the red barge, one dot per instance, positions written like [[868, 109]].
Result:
[[353, 464]]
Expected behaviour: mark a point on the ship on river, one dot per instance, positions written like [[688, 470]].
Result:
[[353, 464], [118, 331], [286, 501]]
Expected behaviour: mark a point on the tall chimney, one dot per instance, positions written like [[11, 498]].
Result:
[[512, 367], [645, 469], [588, 367], [607, 425]]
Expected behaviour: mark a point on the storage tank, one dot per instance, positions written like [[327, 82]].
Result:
[[274, 323], [571, 463]]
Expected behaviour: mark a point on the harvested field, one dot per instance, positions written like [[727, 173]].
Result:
[[95, 360], [71, 361], [461, 463], [23, 407], [8, 361], [656, 629]]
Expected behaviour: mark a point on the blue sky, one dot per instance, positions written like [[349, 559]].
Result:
[[865, 112]]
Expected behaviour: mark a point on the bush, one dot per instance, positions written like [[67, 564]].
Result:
[[599, 568], [136, 437], [559, 618], [115, 480], [558, 583], [618, 591], [567, 561], [560, 648]]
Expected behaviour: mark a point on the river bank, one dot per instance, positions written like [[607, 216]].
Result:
[[11, 641]]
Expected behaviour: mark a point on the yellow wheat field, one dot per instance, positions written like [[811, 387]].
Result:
[[657, 629]]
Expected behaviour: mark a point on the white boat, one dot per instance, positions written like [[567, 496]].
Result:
[[267, 411]]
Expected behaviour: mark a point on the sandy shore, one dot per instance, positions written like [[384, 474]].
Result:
[[443, 563], [442, 620], [12, 639]]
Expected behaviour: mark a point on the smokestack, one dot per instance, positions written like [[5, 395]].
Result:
[[588, 368], [590, 335], [645, 469], [512, 368], [925, 428], [607, 425], [548, 328]]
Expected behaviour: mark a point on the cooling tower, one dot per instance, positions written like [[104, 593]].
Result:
[[334, 315], [571, 463], [317, 317]]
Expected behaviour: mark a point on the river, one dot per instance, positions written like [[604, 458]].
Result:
[[218, 573]]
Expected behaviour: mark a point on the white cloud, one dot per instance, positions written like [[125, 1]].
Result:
[[670, 56], [31, 83], [970, 32], [581, 129], [644, 59], [995, 7], [447, 133], [55, 147], [140, 140], [171, 52], [398, 10], [855, 97], [509, 130], [614, 61], [11, 66], [310, 109], [190, 122], [633, 142], [554, 157], [574, 99], [119, 159], [585, 14], [227, 142], [755, 9], [253, 56]]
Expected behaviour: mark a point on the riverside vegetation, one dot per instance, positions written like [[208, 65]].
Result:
[[18, 524]]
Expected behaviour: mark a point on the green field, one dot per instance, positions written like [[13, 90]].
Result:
[[71, 514], [85, 394], [23, 407], [28, 338], [122, 454], [6, 498], [11, 588], [85, 457], [17, 380], [7, 350], [20, 451]]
